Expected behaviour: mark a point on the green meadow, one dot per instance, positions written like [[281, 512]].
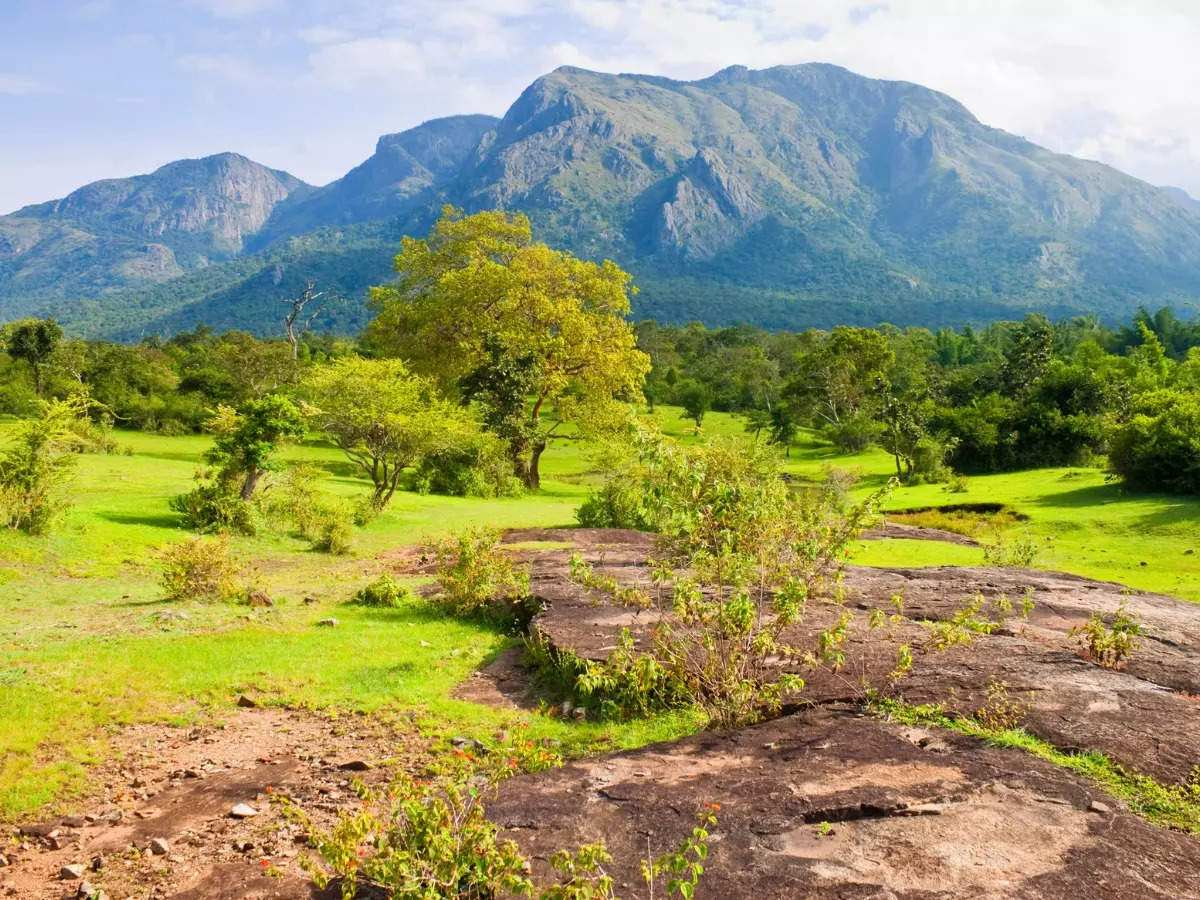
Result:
[[87, 644]]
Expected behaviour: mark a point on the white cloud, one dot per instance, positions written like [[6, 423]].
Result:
[[367, 59], [324, 34], [237, 9], [223, 65], [19, 85]]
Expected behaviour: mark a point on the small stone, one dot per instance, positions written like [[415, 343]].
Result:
[[1098, 807], [354, 765], [3, 860], [309, 601], [1188, 552], [426, 644], [1143, 563], [159, 847], [148, 813], [72, 872], [86, 889], [97, 863], [328, 623], [243, 811], [259, 598], [247, 702]]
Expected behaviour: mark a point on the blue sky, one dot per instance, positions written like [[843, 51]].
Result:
[[102, 88]]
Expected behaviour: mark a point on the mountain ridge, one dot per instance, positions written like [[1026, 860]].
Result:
[[795, 193]]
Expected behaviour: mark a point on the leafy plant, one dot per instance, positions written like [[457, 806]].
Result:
[[199, 569], [1110, 645], [36, 467], [385, 591], [476, 576], [744, 556], [430, 838]]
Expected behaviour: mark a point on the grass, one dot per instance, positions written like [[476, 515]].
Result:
[[1170, 806], [83, 649]]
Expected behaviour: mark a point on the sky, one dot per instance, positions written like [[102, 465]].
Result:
[[94, 89]]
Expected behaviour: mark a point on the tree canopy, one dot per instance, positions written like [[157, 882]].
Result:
[[478, 298]]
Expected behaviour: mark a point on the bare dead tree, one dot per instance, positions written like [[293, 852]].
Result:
[[297, 311]]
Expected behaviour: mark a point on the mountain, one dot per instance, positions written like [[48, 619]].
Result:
[[1182, 197], [124, 232], [791, 196]]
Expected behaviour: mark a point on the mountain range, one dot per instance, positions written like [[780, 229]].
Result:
[[786, 197]]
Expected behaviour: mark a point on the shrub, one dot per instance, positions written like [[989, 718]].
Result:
[[1016, 552], [854, 434], [1158, 448], [618, 504], [199, 569], [384, 591], [1110, 645], [836, 484], [479, 466], [214, 506], [333, 531], [432, 839], [476, 576], [742, 558], [36, 467]]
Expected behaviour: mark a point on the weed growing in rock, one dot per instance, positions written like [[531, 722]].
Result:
[[743, 557], [999, 712], [476, 576], [1110, 645], [430, 838]]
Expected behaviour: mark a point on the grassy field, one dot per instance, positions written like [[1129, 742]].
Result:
[[83, 647]]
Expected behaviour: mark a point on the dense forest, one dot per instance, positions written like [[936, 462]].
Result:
[[1009, 396]]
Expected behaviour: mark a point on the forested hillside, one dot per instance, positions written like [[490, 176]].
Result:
[[787, 197]]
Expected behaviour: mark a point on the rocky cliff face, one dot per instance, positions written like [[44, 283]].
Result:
[[226, 197]]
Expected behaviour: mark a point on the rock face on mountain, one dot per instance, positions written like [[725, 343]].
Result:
[[791, 196], [149, 228], [404, 167]]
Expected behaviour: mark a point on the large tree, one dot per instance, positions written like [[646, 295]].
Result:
[[383, 417], [489, 313], [34, 340]]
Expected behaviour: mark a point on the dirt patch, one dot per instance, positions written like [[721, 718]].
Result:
[[899, 530], [903, 820], [503, 683], [181, 785]]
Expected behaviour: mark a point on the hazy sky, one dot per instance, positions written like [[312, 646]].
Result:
[[101, 88]]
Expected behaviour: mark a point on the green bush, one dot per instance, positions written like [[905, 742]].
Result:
[[384, 591], [215, 506], [36, 467], [1158, 448], [476, 576], [478, 467], [853, 434], [618, 504], [199, 569]]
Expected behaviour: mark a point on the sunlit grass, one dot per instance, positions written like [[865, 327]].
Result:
[[82, 649]]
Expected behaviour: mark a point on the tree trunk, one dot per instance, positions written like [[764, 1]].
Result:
[[533, 475], [250, 483]]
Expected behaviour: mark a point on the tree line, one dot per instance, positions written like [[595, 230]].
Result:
[[488, 344], [1013, 395]]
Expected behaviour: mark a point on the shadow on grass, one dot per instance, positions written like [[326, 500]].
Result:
[[157, 520]]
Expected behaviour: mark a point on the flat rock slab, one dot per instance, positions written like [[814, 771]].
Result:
[[909, 817], [1145, 716]]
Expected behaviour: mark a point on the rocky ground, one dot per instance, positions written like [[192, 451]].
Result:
[[822, 802]]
